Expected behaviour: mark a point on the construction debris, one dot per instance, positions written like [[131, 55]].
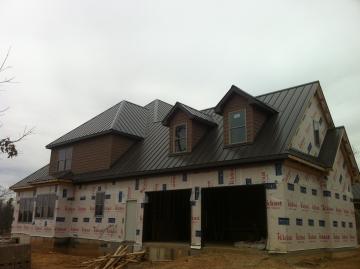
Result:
[[119, 259]]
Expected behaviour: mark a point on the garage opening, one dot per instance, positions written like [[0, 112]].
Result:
[[232, 214], [167, 216]]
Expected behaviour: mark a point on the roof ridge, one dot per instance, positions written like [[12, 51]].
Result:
[[117, 114], [134, 104], [157, 99], [289, 88]]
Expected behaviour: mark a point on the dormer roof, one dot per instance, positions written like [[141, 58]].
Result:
[[124, 118], [191, 112], [251, 99]]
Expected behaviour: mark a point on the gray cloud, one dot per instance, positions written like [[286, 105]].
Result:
[[74, 59]]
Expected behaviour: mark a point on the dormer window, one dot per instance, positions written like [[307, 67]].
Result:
[[64, 160], [180, 138], [237, 127]]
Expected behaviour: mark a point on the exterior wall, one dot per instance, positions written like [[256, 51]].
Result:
[[254, 117], [94, 154], [304, 139], [318, 207], [135, 190], [280, 203]]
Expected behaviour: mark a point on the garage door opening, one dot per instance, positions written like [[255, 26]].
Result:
[[232, 214], [167, 216]]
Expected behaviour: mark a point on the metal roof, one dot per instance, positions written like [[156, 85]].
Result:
[[124, 118], [251, 99], [356, 191], [43, 172], [150, 155], [330, 146], [191, 112]]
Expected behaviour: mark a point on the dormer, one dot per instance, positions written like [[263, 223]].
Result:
[[243, 116], [186, 127], [99, 142]]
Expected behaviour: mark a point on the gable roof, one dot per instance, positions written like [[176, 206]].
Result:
[[252, 100], [150, 155], [124, 118], [191, 112]]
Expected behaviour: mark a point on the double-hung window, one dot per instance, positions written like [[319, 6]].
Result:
[[64, 159], [237, 126], [180, 138]]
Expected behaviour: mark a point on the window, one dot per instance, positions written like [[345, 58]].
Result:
[[302, 189], [322, 223], [344, 197], [82, 198], [317, 133], [99, 204], [74, 219], [278, 169], [98, 220], [337, 196], [343, 224], [180, 141], [60, 219], [184, 177], [237, 127], [350, 225], [111, 220], [311, 222], [86, 219], [26, 210], [221, 177], [314, 192], [335, 223], [137, 183], [45, 206], [290, 187], [64, 194], [120, 196], [64, 159], [284, 221], [327, 193], [248, 181], [299, 222]]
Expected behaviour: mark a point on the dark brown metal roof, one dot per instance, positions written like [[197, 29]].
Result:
[[251, 99], [356, 191], [124, 118], [150, 155], [191, 112], [43, 172]]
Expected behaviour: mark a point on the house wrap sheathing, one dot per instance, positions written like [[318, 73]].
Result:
[[307, 201]]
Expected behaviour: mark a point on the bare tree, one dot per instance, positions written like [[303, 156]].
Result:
[[7, 144], [5, 193]]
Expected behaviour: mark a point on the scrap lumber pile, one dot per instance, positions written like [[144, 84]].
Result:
[[119, 259]]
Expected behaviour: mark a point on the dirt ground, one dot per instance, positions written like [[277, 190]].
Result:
[[243, 258]]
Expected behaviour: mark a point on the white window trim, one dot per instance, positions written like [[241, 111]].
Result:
[[186, 137], [229, 126]]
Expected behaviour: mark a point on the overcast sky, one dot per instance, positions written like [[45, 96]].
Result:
[[74, 59]]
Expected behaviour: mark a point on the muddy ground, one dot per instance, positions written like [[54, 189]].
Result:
[[242, 258]]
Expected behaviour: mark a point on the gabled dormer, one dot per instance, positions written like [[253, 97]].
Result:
[[99, 142], [243, 116], [186, 127]]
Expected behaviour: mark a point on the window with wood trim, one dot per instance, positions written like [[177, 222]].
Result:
[[180, 138], [64, 159], [45, 206], [26, 206], [99, 204], [237, 127], [316, 133]]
